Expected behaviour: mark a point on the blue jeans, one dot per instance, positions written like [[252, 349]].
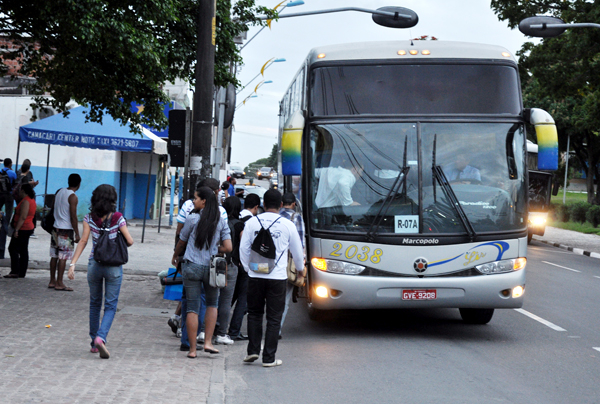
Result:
[[201, 313], [194, 277], [111, 278], [239, 297], [225, 296]]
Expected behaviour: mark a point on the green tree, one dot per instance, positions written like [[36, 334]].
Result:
[[107, 54], [562, 75]]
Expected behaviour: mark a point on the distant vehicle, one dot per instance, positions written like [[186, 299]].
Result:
[[265, 172], [255, 189], [273, 182], [237, 172]]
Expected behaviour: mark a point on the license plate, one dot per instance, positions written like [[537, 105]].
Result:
[[419, 294]]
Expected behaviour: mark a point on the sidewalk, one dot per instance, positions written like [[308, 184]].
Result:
[[53, 364], [147, 258], [579, 243]]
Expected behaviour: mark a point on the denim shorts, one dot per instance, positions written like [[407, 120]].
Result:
[[193, 276]]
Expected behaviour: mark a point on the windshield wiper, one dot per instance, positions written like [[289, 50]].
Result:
[[389, 199], [440, 176]]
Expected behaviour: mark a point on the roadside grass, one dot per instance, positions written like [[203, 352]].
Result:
[[586, 227], [570, 198]]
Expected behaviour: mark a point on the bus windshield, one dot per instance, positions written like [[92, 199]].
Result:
[[415, 89], [379, 172]]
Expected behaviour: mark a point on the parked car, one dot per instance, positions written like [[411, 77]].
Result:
[[273, 184], [265, 172], [237, 172]]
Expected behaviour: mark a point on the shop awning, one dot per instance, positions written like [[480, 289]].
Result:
[[74, 131]]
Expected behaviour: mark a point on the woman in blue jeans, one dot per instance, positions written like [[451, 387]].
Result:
[[103, 207], [199, 238]]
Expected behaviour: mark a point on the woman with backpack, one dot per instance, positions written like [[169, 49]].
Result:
[[103, 216], [199, 239]]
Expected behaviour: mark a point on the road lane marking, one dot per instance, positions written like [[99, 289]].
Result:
[[541, 320], [560, 266], [596, 276], [597, 348]]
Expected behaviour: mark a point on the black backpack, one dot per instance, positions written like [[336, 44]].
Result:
[[236, 226], [263, 244], [5, 187]]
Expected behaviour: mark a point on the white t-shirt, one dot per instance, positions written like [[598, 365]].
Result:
[[245, 213], [335, 186], [285, 236], [188, 206]]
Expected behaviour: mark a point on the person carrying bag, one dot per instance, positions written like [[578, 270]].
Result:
[[199, 239], [106, 226]]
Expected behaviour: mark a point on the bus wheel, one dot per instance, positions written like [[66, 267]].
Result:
[[476, 316], [314, 314], [529, 237]]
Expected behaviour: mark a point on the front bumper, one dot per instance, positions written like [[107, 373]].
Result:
[[366, 292]]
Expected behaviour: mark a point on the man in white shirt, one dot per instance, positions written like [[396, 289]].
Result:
[[268, 288], [65, 233], [335, 186]]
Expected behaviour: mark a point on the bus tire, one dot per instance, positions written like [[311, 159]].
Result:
[[314, 314], [476, 316], [529, 237]]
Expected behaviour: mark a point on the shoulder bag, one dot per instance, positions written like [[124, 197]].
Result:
[[110, 252], [218, 272]]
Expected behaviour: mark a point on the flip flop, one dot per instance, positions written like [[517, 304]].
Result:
[[51, 286], [191, 357], [65, 289], [211, 351]]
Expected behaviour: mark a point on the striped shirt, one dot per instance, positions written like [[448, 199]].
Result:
[[188, 207], [116, 222]]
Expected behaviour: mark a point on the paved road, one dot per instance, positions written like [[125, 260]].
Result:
[[430, 356]]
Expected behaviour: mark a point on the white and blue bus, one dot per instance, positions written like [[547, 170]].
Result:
[[409, 162]]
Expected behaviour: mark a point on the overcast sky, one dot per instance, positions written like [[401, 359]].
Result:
[[256, 122]]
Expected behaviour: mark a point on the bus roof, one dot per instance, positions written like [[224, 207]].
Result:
[[390, 50]]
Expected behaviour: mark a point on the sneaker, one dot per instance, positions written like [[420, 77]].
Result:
[[178, 333], [33, 236], [278, 362], [251, 358], [104, 354], [240, 337], [223, 339], [94, 350], [174, 323], [200, 338]]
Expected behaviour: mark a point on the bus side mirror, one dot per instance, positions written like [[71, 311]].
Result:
[[547, 139], [291, 144]]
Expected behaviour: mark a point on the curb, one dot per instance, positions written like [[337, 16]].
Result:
[[572, 249], [45, 265]]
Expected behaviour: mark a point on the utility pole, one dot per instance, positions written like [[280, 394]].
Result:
[[203, 95]]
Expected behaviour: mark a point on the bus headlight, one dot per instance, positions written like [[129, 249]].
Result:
[[537, 221], [337, 267], [499, 267]]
